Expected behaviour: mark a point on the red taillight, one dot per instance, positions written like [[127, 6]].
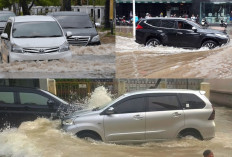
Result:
[[139, 27], [212, 116]]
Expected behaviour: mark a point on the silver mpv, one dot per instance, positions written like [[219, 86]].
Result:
[[145, 116]]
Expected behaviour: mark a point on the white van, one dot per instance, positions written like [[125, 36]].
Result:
[[33, 38]]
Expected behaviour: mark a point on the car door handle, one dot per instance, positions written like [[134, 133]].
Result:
[[176, 114], [138, 117], [179, 33]]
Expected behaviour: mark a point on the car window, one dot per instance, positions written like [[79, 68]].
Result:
[[82, 21], [32, 99], [130, 106], [183, 25], [6, 97], [168, 23], [163, 103], [191, 101], [153, 22], [8, 29], [36, 29]]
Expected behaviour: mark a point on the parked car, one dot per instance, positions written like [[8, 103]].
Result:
[[145, 116], [4, 15], [178, 32], [33, 38], [19, 104], [83, 30]]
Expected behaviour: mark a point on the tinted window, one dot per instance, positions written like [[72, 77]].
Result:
[[155, 23], [33, 99], [168, 24], [36, 29], [191, 101], [74, 21], [8, 29], [6, 97], [5, 17], [163, 103], [184, 25], [131, 106]]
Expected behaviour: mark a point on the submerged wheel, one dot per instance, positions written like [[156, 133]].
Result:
[[210, 44], [191, 133], [89, 136], [153, 42]]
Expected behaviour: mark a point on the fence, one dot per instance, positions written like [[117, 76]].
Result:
[[79, 89]]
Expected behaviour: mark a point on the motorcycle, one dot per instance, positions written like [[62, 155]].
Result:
[[223, 24], [204, 23]]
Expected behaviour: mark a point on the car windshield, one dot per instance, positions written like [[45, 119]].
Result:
[[5, 17], [78, 21], [59, 99], [41, 29]]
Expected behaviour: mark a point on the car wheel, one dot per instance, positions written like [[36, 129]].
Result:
[[89, 136], [153, 42], [210, 44], [194, 134]]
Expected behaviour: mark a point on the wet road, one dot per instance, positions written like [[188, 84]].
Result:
[[136, 61], [44, 138]]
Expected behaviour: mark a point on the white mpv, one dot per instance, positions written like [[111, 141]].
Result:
[[33, 38]]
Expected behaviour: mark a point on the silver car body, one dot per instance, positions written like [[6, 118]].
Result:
[[34, 48], [143, 126]]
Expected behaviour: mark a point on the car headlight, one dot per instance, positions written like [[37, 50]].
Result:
[[95, 38], [221, 35], [64, 47], [17, 49], [68, 121]]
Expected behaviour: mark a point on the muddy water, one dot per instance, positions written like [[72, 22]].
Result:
[[136, 61], [44, 138]]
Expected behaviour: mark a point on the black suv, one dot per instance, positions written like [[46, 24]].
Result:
[[178, 32], [19, 104]]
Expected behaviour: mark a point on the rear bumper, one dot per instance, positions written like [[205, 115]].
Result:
[[37, 56], [209, 131]]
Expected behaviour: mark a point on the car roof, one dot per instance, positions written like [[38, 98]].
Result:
[[7, 12], [167, 18], [17, 88], [67, 13], [32, 18], [151, 91]]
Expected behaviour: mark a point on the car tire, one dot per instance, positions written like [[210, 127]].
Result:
[[210, 44], [192, 133], [153, 42], [89, 136]]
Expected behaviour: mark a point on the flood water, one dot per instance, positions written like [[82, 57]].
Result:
[[44, 138]]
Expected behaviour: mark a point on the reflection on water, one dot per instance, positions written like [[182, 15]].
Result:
[[44, 138]]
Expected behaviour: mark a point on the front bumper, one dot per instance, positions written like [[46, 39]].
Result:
[[39, 56], [224, 41]]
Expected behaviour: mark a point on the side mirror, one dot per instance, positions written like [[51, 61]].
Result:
[[68, 34], [110, 111], [194, 29], [4, 36], [50, 103]]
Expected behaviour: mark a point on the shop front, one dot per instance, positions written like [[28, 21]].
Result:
[[214, 12]]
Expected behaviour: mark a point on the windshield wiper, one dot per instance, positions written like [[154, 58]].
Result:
[[55, 36], [69, 27]]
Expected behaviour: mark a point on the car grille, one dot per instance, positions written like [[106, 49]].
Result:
[[41, 50], [78, 40]]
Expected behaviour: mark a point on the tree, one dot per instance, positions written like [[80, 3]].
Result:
[[67, 5], [107, 14]]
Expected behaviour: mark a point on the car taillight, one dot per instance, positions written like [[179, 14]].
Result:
[[212, 116], [139, 27]]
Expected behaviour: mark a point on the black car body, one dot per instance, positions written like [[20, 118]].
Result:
[[83, 30], [178, 32], [4, 15], [19, 104]]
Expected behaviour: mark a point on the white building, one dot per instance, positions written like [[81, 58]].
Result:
[[99, 11]]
